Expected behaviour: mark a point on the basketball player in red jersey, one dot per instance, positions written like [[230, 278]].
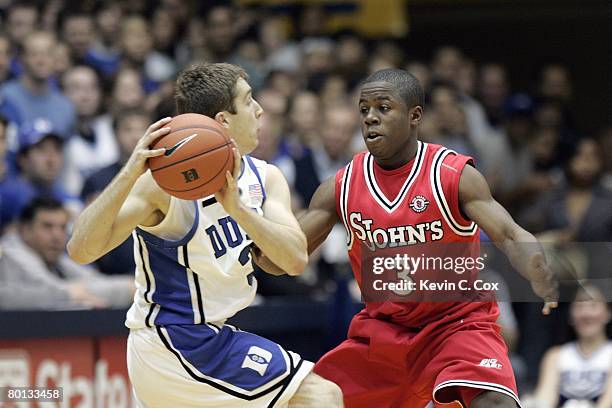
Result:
[[406, 354]]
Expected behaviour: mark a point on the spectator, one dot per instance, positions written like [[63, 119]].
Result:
[[282, 54], [268, 147], [165, 32], [446, 63], [127, 91], [138, 54], [36, 273], [104, 54], [304, 118], [317, 62], [220, 32], [493, 90], [519, 187], [93, 144], [576, 373], [328, 154], [79, 33], [581, 208], [449, 118], [32, 95], [556, 83], [21, 20], [40, 161], [130, 125]]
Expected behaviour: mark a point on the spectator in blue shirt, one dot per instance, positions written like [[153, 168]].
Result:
[[33, 95]]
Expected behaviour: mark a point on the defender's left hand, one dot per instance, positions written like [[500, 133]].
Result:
[[543, 282], [229, 195]]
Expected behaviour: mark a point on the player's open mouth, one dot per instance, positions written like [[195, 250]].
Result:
[[373, 136]]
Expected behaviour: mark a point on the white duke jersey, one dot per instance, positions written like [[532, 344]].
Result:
[[583, 378], [195, 266]]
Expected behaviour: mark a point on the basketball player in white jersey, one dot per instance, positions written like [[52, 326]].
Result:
[[577, 374], [193, 265]]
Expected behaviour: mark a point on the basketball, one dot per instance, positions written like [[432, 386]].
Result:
[[198, 154]]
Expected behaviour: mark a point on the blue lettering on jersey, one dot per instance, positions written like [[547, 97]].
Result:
[[216, 242], [233, 238]]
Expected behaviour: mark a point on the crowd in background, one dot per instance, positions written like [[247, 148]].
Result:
[[78, 88]]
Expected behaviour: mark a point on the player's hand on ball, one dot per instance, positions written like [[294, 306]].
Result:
[[229, 195], [543, 282], [137, 163]]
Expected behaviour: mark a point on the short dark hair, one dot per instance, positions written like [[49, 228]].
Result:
[[207, 88], [40, 203], [405, 83]]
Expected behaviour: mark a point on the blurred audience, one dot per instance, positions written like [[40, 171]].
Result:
[[39, 161], [35, 271], [92, 144], [34, 94]]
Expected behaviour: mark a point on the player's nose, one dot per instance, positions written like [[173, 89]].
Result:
[[258, 109], [371, 118]]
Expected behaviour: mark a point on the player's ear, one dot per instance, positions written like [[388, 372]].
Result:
[[415, 114], [221, 117]]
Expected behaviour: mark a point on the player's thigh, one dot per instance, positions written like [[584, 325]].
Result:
[[316, 391], [492, 399]]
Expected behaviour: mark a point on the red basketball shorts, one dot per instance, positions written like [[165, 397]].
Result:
[[386, 365]]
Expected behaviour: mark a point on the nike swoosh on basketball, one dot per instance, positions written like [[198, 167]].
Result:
[[179, 145]]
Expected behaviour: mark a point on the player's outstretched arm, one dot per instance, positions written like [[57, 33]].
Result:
[[520, 246], [129, 200], [316, 222]]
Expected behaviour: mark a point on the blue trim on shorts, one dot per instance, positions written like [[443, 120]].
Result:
[[228, 356]]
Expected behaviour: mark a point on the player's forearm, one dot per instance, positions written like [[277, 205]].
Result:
[[520, 247], [282, 245], [93, 228]]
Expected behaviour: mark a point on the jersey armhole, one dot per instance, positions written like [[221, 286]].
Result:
[[457, 162], [337, 187]]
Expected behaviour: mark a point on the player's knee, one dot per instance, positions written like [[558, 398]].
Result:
[[492, 399], [315, 391]]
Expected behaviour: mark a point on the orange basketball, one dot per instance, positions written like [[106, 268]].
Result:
[[198, 153]]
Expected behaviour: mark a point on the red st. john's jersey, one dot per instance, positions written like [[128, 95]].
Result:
[[416, 204]]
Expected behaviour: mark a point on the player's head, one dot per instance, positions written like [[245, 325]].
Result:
[[391, 106], [42, 226], [589, 313], [221, 91]]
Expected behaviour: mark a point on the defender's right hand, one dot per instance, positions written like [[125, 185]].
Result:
[[137, 163]]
